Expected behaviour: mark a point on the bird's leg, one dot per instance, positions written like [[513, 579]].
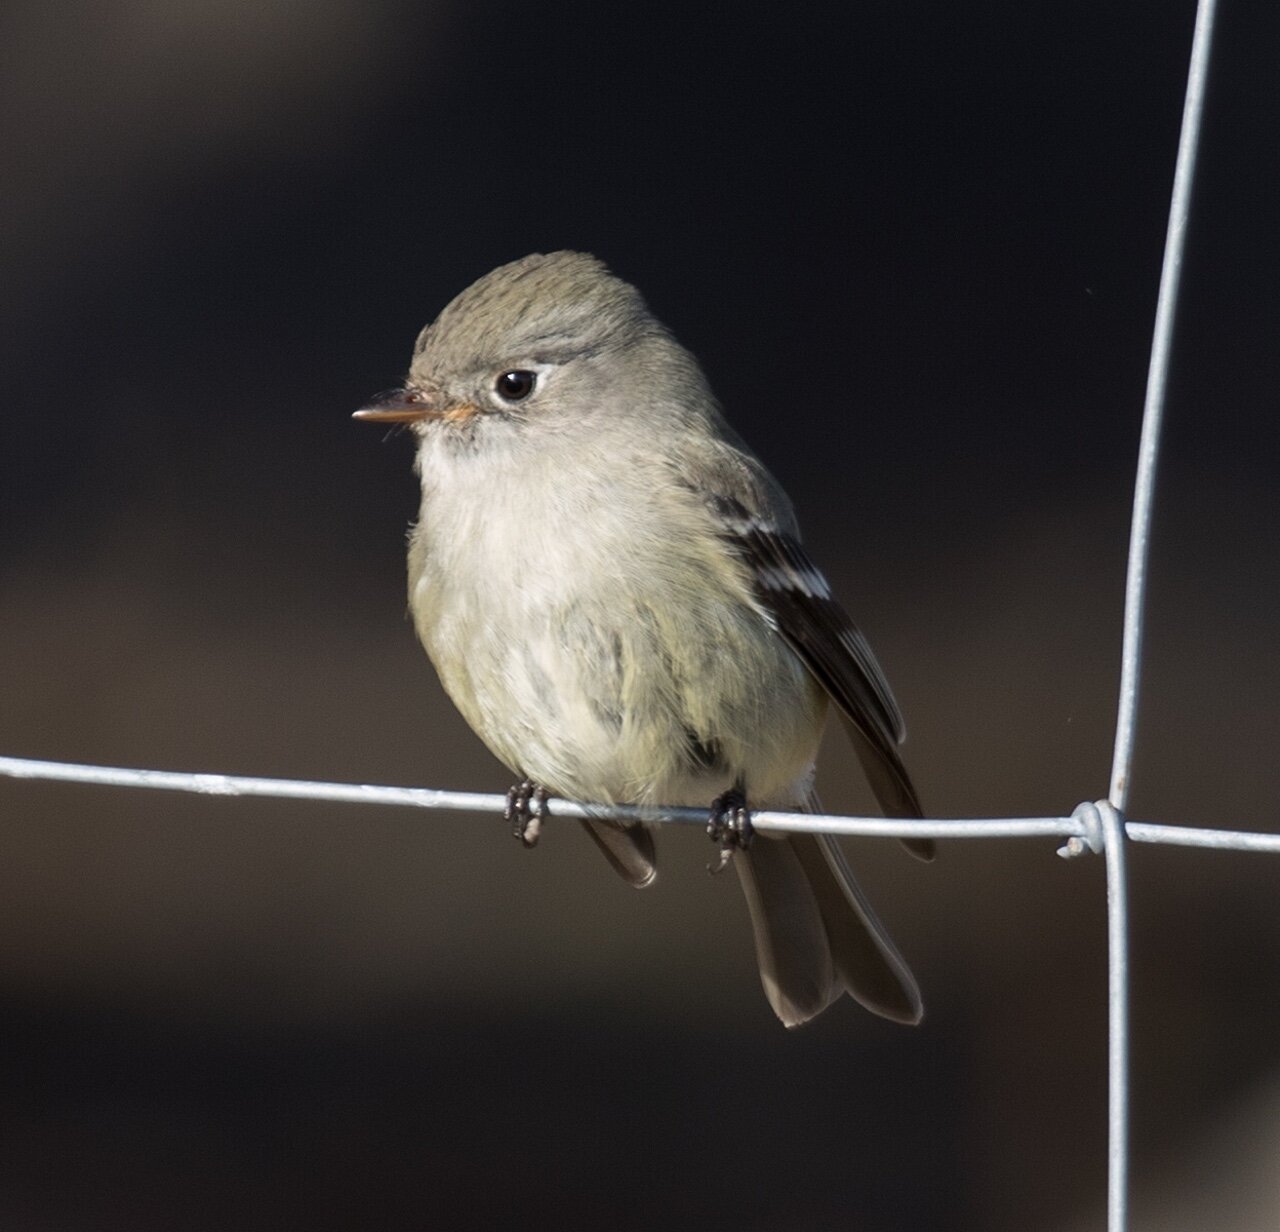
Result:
[[729, 826], [526, 807]]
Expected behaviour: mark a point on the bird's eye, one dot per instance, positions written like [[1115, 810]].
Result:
[[515, 385]]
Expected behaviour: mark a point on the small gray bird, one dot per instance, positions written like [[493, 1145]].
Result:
[[613, 592]]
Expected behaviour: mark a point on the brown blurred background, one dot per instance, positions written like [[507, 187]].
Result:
[[917, 249]]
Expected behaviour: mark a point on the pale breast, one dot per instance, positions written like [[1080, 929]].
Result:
[[628, 666]]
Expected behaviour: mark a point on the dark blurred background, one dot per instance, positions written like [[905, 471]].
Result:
[[917, 248]]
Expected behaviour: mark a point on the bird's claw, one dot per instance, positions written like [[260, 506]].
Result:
[[525, 810], [729, 827]]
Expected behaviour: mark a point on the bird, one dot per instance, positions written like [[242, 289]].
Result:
[[612, 590]]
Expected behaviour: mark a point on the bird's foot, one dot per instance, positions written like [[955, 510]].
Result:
[[526, 808], [729, 827]]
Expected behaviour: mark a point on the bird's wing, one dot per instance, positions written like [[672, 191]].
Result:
[[791, 589], [755, 520]]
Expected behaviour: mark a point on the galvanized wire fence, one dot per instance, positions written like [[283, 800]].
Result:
[[1099, 827]]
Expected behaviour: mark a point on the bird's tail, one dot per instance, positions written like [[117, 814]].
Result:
[[816, 934]]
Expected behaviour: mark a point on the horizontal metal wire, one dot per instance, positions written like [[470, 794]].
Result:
[[1074, 826]]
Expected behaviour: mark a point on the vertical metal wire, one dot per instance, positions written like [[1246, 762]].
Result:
[[1153, 411], [1113, 839], [1112, 818]]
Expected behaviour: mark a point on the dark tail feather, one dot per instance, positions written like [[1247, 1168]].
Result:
[[628, 848], [791, 940], [816, 934], [866, 961]]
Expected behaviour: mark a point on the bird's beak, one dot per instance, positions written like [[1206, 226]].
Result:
[[400, 406]]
